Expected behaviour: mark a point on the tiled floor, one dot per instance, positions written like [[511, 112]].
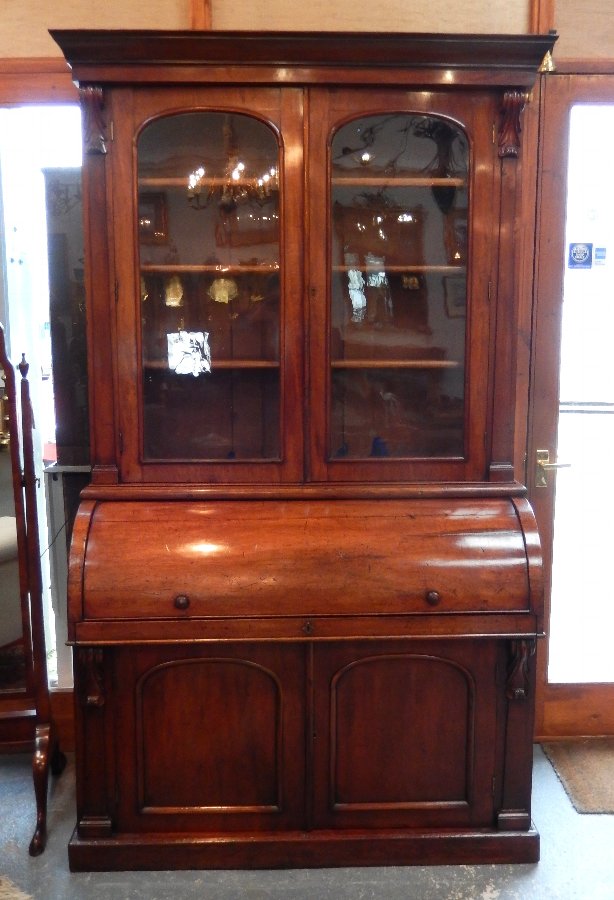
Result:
[[577, 860]]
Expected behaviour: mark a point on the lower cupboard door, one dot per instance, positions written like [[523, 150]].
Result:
[[206, 738], [405, 734]]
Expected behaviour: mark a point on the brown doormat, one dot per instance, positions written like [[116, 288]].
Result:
[[586, 770]]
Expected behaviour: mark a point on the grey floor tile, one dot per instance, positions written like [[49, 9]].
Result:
[[577, 860]]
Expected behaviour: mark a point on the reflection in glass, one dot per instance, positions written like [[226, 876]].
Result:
[[399, 201], [208, 224], [189, 353], [12, 653]]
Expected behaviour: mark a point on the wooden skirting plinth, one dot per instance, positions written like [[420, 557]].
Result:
[[302, 849]]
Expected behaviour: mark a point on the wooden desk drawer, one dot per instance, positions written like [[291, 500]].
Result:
[[302, 558]]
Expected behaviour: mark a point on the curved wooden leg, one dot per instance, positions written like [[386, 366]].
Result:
[[40, 772]]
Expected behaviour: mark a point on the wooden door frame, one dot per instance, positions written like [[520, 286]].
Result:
[[563, 710], [201, 14], [541, 16]]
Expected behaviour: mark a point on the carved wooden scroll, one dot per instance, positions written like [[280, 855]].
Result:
[[518, 680], [92, 676], [94, 126], [509, 128]]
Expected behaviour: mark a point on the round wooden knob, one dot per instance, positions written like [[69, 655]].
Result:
[[181, 601], [433, 598]]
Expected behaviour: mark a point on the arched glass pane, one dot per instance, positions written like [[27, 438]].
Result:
[[208, 224], [398, 293]]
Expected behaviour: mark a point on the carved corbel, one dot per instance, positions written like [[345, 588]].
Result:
[[94, 125], [517, 685], [91, 661], [509, 128]]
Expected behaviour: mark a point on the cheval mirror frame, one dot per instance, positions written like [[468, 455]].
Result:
[[25, 714]]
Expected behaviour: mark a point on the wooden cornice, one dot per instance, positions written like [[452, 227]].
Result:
[[104, 56]]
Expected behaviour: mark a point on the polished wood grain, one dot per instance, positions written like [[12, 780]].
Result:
[[542, 15], [200, 13], [243, 772], [421, 696], [520, 53], [308, 659], [257, 559]]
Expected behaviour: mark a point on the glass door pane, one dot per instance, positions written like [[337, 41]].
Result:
[[398, 295], [580, 644], [209, 265]]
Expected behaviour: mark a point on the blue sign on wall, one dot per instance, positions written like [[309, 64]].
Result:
[[580, 256]]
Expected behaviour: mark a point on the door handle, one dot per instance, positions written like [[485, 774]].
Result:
[[543, 466]]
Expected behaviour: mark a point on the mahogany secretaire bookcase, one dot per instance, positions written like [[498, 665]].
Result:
[[305, 587]]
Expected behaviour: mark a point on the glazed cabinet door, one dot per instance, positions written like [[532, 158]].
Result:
[[206, 234], [209, 738], [404, 228], [406, 734]]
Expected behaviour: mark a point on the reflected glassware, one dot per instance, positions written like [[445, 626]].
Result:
[[356, 288], [223, 290], [173, 292]]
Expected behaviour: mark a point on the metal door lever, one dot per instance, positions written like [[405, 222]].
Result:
[[543, 466]]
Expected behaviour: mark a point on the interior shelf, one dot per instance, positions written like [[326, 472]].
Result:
[[222, 364], [181, 181], [396, 181], [408, 267], [153, 181], [213, 269], [394, 364]]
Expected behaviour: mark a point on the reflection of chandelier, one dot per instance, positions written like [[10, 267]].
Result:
[[173, 292], [236, 185], [5, 435]]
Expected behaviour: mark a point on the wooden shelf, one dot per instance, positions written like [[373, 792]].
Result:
[[218, 269], [215, 269], [221, 364], [404, 269], [181, 181], [384, 180], [394, 364]]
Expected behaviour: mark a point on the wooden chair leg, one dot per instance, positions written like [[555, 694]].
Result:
[[47, 755], [40, 772]]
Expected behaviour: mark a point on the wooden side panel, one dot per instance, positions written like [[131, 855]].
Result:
[[392, 689], [411, 734], [94, 713], [100, 290], [211, 738], [244, 701]]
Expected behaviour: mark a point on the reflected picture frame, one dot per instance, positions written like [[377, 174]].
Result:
[[152, 218], [455, 296]]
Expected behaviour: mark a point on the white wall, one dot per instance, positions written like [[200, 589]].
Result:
[[373, 15], [24, 23]]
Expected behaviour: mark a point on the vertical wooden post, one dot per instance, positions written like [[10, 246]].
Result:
[[541, 16], [201, 15]]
